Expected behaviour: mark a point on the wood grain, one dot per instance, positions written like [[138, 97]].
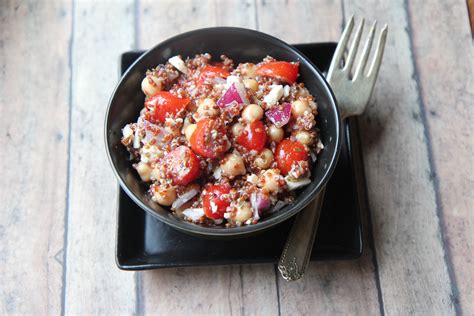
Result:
[[445, 69], [410, 254], [102, 31], [239, 13], [328, 287], [229, 290], [34, 85], [158, 21], [300, 21], [417, 142], [247, 289]]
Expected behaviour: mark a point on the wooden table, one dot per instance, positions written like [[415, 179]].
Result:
[[58, 193]]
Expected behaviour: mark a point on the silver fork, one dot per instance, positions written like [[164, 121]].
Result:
[[352, 91]]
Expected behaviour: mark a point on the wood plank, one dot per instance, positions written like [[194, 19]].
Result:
[[328, 287], [34, 84], [445, 66], [300, 21], [226, 290], [247, 289], [158, 21], [410, 255], [235, 13], [102, 31]]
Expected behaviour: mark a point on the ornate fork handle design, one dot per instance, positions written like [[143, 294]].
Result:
[[296, 254]]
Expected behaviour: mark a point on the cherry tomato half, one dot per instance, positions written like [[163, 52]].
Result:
[[210, 71], [214, 203], [253, 136], [209, 139], [288, 152], [183, 165], [164, 103], [280, 70]]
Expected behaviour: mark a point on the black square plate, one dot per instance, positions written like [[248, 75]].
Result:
[[144, 242]]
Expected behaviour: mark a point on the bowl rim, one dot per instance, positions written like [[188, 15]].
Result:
[[203, 231]]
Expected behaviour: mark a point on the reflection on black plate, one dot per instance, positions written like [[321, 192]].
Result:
[[144, 242]]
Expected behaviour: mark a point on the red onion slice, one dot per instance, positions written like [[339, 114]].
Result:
[[185, 197], [152, 131], [260, 202], [236, 92], [278, 206], [280, 115]]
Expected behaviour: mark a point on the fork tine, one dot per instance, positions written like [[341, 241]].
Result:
[[374, 68], [341, 47], [365, 52], [354, 46]]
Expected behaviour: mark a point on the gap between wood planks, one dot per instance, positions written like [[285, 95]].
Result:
[[408, 296], [90, 224], [68, 180], [446, 87], [139, 301], [370, 230], [429, 142]]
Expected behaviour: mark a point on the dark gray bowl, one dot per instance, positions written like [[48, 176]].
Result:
[[241, 45]]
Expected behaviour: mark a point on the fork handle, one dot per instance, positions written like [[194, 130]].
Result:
[[298, 247]]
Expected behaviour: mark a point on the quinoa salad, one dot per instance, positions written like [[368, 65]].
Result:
[[223, 143]]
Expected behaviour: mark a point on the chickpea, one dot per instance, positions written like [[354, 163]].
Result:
[[275, 134], [233, 165], [151, 85], [252, 113], [164, 196], [155, 174], [264, 159], [269, 180], [189, 131], [207, 108], [186, 123], [236, 129], [303, 92], [144, 171], [299, 107], [303, 137], [251, 84], [244, 212], [249, 70]]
